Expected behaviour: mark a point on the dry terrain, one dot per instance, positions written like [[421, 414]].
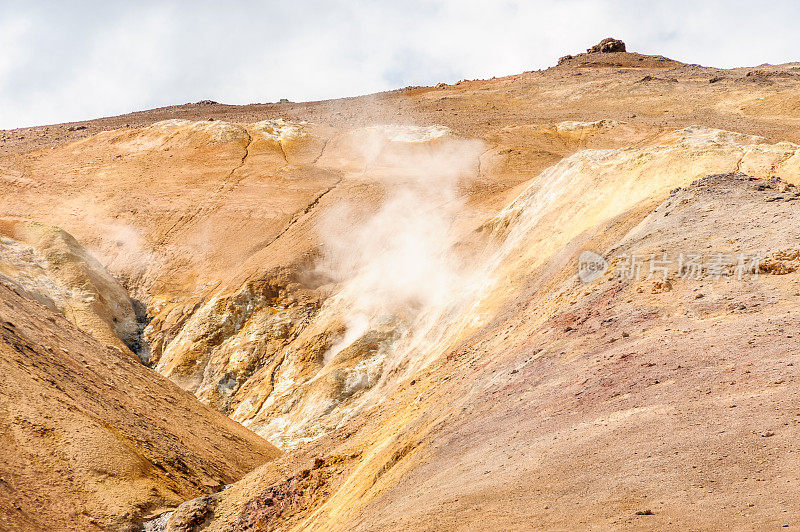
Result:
[[382, 295]]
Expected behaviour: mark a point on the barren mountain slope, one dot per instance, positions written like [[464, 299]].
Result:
[[582, 404], [386, 287], [91, 438], [227, 259]]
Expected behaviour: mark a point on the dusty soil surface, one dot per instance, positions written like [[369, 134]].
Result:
[[385, 287], [91, 438]]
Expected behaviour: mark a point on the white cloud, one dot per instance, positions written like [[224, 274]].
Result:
[[13, 30], [64, 61]]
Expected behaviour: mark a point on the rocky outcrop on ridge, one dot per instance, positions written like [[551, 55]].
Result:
[[607, 46]]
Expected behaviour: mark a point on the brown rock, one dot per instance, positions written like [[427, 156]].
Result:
[[607, 45]]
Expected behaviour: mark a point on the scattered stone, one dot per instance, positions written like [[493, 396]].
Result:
[[659, 287], [766, 74], [191, 514], [767, 434], [76, 128], [644, 512], [158, 524]]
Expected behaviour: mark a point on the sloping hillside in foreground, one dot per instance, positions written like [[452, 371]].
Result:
[[91, 438]]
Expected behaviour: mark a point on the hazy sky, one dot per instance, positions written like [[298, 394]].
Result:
[[71, 60]]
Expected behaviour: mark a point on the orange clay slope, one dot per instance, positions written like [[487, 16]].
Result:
[[385, 287]]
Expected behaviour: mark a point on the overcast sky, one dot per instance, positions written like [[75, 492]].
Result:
[[69, 60]]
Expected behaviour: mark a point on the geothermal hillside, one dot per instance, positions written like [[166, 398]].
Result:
[[564, 299]]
